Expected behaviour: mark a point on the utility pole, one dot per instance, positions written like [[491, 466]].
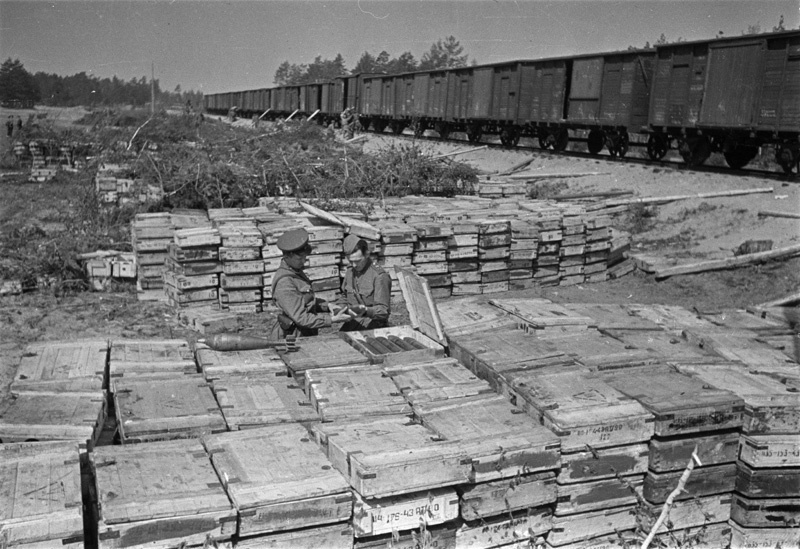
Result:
[[152, 88]]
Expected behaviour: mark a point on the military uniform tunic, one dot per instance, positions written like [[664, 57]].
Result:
[[292, 293], [372, 287]]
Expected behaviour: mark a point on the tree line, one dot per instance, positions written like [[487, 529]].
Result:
[[446, 53], [17, 84]]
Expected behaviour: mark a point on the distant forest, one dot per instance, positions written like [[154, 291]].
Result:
[[19, 85]]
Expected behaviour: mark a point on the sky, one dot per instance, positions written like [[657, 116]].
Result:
[[214, 45]]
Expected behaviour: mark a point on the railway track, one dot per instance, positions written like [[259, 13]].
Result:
[[673, 164]]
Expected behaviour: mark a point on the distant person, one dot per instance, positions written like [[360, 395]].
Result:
[[366, 290], [19, 123], [348, 120], [10, 126]]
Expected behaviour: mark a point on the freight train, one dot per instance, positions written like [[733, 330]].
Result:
[[725, 95]]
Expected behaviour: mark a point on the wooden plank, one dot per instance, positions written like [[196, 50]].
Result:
[[248, 402], [488, 499], [602, 463], [225, 364], [353, 392], [681, 404], [770, 406], [765, 512], [335, 536], [524, 527], [672, 454], [738, 345], [40, 493], [384, 515], [439, 537], [607, 316], [325, 351], [766, 538], [77, 366], [145, 357], [660, 343], [704, 481], [440, 379], [774, 482], [729, 263], [171, 408], [599, 351], [278, 480], [618, 540], [670, 317], [582, 410], [597, 495], [584, 526], [53, 416], [159, 494]]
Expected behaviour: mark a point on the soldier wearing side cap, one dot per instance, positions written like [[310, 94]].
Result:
[[367, 289], [302, 313]]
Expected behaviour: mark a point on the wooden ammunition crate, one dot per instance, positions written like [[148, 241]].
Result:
[[597, 495], [384, 515], [230, 364], [708, 535], [161, 494], [680, 404], [766, 538], [770, 450], [521, 527], [471, 314], [334, 536], [353, 392], [362, 342], [41, 487], [53, 416], [526, 446], [439, 379], [687, 513], [248, 402], [603, 463], [582, 410], [325, 351], [441, 536], [778, 482], [165, 409], [488, 499], [58, 366], [672, 454], [704, 481], [584, 526], [151, 357], [765, 512], [278, 480]]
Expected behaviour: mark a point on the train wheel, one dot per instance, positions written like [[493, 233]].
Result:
[[474, 133], [546, 140], [419, 128], [695, 150], [509, 137], [379, 125], [596, 141], [365, 123], [443, 130], [619, 144], [561, 137], [657, 146], [397, 127], [788, 156]]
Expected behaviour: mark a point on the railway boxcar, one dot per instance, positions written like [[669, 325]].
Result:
[[609, 95], [370, 108], [729, 95], [543, 87]]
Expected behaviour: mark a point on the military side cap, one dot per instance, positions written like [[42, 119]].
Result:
[[293, 240], [350, 244]]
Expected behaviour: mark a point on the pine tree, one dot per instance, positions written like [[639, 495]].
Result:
[[17, 83], [444, 54]]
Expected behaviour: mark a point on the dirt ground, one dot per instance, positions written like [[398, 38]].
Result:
[[687, 231]]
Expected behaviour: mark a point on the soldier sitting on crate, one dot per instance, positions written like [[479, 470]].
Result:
[[301, 312], [366, 290]]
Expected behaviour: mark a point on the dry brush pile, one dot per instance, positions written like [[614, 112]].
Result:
[[198, 163]]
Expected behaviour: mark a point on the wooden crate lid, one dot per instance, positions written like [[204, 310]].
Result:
[[421, 308]]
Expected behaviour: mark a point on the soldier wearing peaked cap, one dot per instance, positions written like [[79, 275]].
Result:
[[367, 289], [302, 313]]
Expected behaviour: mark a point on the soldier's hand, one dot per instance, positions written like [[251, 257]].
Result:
[[358, 310], [340, 316]]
